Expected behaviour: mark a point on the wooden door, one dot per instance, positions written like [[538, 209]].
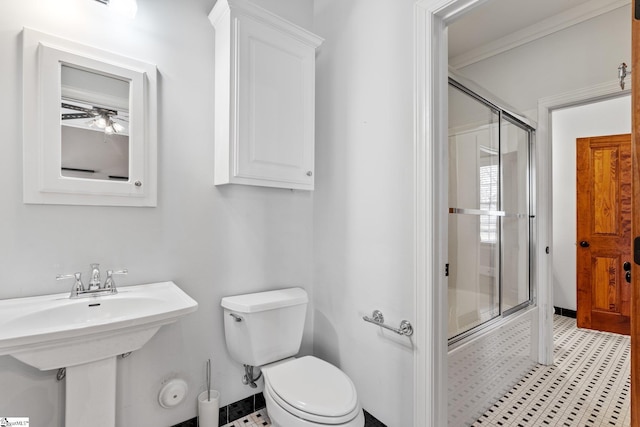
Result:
[[604, 232], [635, 270]]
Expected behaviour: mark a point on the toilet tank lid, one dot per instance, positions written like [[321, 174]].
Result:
[[262, 301]]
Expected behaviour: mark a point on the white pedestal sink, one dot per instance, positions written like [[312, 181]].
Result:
[[85, 335]]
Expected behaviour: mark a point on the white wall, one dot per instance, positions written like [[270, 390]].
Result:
[[363, 203], [577, 57], [212, 241], [88, 149], [608, 117]]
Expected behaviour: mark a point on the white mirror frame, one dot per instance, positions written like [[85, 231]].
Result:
[[43, 57]]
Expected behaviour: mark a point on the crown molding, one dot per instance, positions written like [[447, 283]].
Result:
[[551, 25], [223, 8], [605, 90]]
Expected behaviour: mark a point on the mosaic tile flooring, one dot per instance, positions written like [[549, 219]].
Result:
[[588, 385], [482, 371], [257, 419]]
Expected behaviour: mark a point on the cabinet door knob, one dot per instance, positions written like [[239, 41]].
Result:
[[309, 173]]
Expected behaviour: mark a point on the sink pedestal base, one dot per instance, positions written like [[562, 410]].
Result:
[[91, 394], [85, 335]]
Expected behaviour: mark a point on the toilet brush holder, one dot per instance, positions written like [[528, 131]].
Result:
[[208, 408]]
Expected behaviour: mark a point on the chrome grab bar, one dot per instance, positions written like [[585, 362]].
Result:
[[466, 211], [476, 212], [378, 319]]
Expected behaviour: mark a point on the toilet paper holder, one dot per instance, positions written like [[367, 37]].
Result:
[[377, 318]]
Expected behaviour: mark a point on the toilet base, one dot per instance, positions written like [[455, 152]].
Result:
[[281, 418]]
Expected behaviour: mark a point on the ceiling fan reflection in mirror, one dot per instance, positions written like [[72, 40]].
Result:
[[105, 119]]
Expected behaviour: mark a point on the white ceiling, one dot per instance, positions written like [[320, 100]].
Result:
[[498, 25]]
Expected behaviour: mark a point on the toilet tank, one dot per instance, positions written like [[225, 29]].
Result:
[[264, 327]]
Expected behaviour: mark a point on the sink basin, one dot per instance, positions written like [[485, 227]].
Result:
[[54, 331], [84, 335]]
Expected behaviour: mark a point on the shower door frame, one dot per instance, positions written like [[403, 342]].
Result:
[[504, 116], [431, 129]]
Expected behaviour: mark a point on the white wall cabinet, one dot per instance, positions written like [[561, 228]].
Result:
[[264, 98]]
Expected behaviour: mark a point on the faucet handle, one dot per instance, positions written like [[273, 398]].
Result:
[[77, 286], [109, 283]]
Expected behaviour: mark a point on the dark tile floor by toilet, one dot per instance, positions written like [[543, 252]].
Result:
[[588, 384], [261, 419], [251, 412]]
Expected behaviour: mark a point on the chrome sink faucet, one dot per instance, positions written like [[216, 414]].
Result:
[[95, 277], [94, 288]]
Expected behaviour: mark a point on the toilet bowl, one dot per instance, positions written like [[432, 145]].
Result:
[[265, 330], [310, 392]]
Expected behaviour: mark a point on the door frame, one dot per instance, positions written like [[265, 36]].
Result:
[[546, 106], [430, 215], [431, 128]]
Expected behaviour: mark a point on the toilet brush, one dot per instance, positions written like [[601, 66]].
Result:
[[208, 403], [209, 380]]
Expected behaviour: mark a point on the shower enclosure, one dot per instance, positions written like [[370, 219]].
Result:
[[490, 212]]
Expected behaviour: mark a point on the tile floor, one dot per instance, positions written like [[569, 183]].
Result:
[[588, 385], [483, 370], [261, 419], [257, 419]]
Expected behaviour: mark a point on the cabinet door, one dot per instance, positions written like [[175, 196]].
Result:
[[275, 107]]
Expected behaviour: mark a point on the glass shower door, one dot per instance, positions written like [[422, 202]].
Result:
[[489, 220], [515, 223], [474, 260]]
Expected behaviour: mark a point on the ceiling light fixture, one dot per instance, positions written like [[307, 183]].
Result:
[[127, 8], [104, 121]]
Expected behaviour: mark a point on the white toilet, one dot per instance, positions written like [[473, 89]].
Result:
[[264, 330]]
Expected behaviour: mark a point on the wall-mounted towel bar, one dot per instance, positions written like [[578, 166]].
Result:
[[378, 319]]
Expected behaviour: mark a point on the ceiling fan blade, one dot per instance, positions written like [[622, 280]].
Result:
[[71, 116], [75, 107]]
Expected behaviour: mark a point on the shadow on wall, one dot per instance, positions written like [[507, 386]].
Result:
[[35, 402], [326, 345]]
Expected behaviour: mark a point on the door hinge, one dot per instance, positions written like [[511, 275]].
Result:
[[446, 270]]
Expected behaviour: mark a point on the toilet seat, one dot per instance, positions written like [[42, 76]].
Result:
[[313, 390]]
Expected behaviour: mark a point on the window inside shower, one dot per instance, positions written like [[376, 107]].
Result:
[[490, 215]]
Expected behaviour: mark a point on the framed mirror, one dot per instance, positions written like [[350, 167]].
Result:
[[89, 125]]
